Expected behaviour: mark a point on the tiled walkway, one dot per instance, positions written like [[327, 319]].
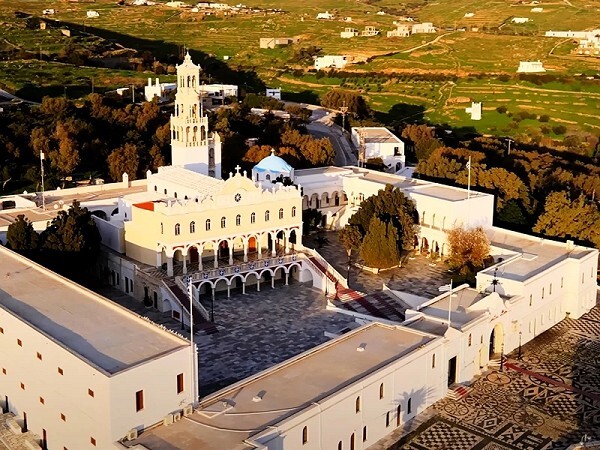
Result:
[[548, 399]]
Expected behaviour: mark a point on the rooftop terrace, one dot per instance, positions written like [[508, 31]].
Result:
[[95, 329]]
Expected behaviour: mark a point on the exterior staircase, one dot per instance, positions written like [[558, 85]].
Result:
[[458, 392], [201, 324]]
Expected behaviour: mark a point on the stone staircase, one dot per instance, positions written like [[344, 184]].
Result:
[[458, 392], [201, 325]]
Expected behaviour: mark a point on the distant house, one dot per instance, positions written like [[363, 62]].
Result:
[[348, 19], [530, 67], [400, 31], [176, 4], [92, 14], [48, 12], [537, 10], [349, 33], [370, 31], [272, 42], [158, 90], [325, 16], [520, 19], [423, 28], [333, 61], [274, 93], [469, 15], [474, 110]]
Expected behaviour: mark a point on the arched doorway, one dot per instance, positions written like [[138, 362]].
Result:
[[496, 341], [224, 249], [252, 245], [193, 252], [424, 245]]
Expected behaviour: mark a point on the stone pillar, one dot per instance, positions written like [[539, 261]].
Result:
[[273, 282], [246, 251], [274, 244], [170, 266], [231, 254], [159, 259], [216, 249], [287, 278], [228, 291], [258, 285], [287, 242], [185, 264], [244, 287]]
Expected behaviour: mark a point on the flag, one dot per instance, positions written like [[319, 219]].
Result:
[[445, 288], [469, 163]]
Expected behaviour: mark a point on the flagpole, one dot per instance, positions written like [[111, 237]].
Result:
[[469, 180], [450, 304]]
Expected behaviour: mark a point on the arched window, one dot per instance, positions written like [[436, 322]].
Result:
[[381, 390], [409, 406], [550, 292], [155, 188], [470, 339], [177, 229], [364, 433], [192, 227], [433, 361], [357, 404], [280, 213], [543, 293], [223, 222], [238, 220], [293, 211], [530, 299], [175, 194], [387, 419], [352, 442], [267, 214], [268, 177], [165, 192], [207, 224], [398, 415], [162, 228], [304, 435], [340, 446], [252, 217]]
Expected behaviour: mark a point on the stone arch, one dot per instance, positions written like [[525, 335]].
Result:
[[288, 269], [203, 133], [335, 196], [305, 202], [325, 199], [496, 340], [314, 201], [195, 133]]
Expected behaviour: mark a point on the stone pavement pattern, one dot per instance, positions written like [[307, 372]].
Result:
[[548, 399], [11, 441]]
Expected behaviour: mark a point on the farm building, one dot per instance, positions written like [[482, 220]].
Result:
[[423, 28], [400, 31], [520, 19], [530, 67], [474, 110], [325, 16], [334, 61], [349, 33], [370, 31], [272, 42], [273, 92]]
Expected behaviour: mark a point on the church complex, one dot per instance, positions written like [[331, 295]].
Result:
[[184, 233]]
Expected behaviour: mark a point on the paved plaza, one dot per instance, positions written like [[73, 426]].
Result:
[[548, 399]]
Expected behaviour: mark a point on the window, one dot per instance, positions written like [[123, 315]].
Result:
[[60, 371], [1, 330], [90, 393], [267, 215], [39, 356], [470, 339], [139, 400], [165, 192], [238, 220], [561, 282], [550, 290], [542, 293], [381, 391], [223, 222], [93, 441], [530, 299], [207, 224], [294, 211], [3, 371], [175, 194], [162, 228], [433, 361], [387, 419], [192, 227], [177, 229], [180, 383], [155, 188], [357, 404], [22, 386], [42, 401], [398, 415], [409, 406], [364, 433], [252, 217], [304, 435], [19, 342], [352, 442], [582, 278], [280, 213], [63, 417], [340, 445]]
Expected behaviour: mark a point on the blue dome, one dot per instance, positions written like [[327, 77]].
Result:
[[273, 164]]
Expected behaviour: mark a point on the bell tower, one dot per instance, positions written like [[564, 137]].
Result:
[[192, 145]]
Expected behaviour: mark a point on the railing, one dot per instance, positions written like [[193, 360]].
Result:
[[195, 302], [330, 285], [256, 265], [338, 276]]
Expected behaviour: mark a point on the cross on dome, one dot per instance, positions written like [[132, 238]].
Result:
[[273, 151], [237, 169]]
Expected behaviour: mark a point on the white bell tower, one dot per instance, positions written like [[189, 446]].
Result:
[[192, 145]]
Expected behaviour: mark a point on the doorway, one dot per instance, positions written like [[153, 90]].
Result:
[[496, 341], [451, 371]]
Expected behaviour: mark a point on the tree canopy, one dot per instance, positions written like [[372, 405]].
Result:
[[21, 237], [469, 248]]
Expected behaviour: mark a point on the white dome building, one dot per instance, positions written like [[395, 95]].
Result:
[[271, 167]]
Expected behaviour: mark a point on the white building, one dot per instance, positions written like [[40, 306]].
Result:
[[537, 10], [274, 93], [158, 90], [270, 168], [530, 67], [333, 61], [425, 27], [401, 30], [520, 19], [349, 33], [193, 146], [92, 14], [325, 15], [80, 371], [474, 110], [216, 93], [379, 142]]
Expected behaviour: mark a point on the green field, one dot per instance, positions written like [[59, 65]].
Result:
[[473, 58]]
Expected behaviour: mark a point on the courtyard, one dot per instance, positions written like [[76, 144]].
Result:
[[547, 399]]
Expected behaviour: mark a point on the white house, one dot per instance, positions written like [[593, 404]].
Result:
[[520, 19], [401, 30], [325, 15], [158, 90], [474, 110], [273, 92], [537, 10], [425, 27], [379, 142], [92, 14], [48, 12], [530, 67], [349, 33], [79, 370], [334, 61]]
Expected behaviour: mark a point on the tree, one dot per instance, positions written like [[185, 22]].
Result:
[[356, 104], [21, 237], [351, 238], [124, 159], [72, 240], [311, 219], [422, 139], [469, 248], [380, 246]]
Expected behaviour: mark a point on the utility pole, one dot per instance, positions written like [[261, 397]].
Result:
[[192, 349], [509, 141], [42, 170], [132, 93], [343, 110]]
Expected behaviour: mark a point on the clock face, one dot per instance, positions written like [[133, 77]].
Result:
[[238, 197]]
